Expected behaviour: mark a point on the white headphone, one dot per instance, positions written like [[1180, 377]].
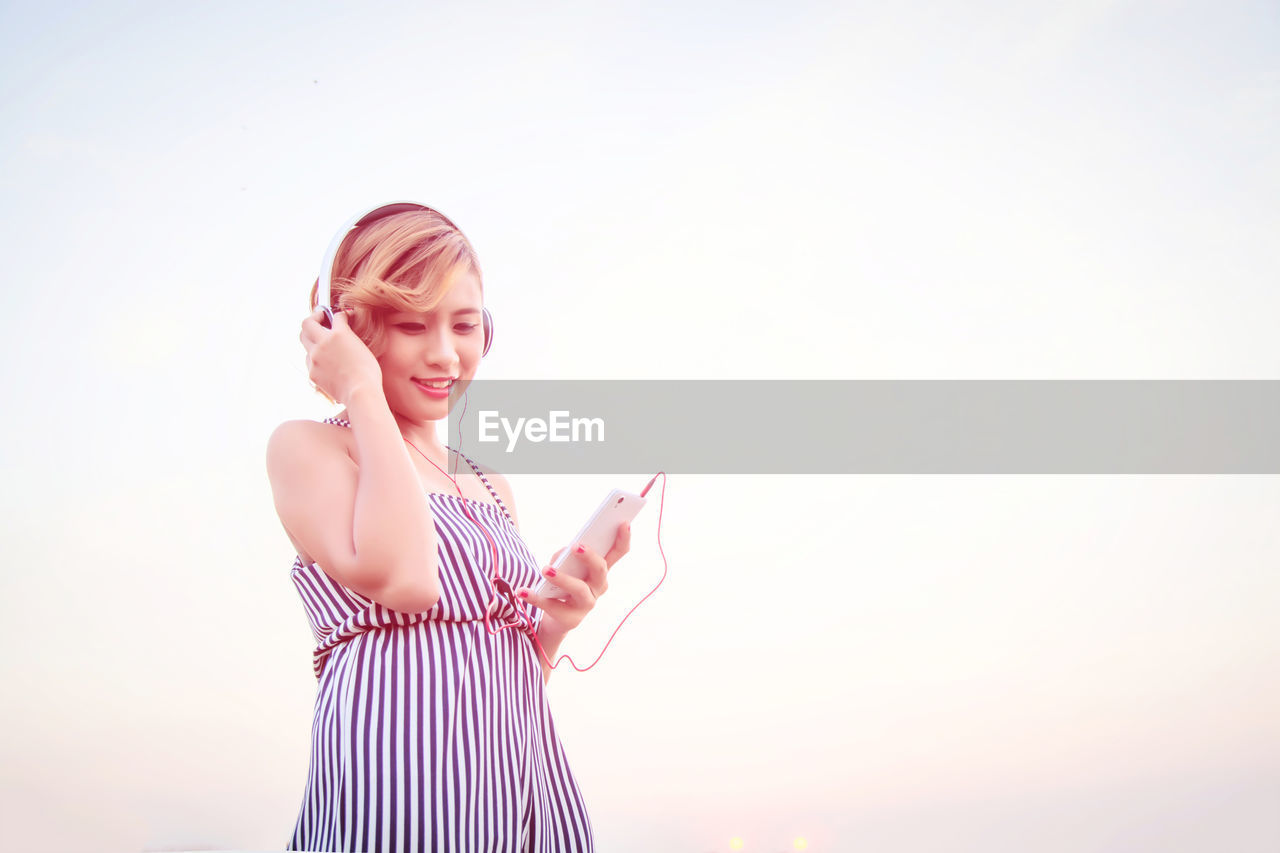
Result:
[[324, 285]]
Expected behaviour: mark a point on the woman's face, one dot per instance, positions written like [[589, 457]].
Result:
[[430, 358]]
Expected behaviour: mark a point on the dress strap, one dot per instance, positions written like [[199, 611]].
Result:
[[487, 484], [343, 422]]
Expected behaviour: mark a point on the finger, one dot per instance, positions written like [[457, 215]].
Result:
[[561, 610], [621, 545], [597, 569], [575, 591], [547, 598], [311, 328]]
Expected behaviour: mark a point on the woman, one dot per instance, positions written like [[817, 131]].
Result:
[[431, 728]]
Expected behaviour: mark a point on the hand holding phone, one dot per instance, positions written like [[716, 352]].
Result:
[[597, 534]]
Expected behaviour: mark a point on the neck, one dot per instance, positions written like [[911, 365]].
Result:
[[426, 448], [422, 435]]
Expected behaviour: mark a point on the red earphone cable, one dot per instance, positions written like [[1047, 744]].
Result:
[[662, 495], [493, 547], [528, 620]]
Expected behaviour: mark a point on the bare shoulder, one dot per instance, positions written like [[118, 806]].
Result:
[[313, 483], [502, 486], [301, 443]]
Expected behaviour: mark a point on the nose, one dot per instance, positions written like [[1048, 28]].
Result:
[[439, 349]]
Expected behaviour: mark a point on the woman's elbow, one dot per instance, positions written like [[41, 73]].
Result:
[[408, 595]]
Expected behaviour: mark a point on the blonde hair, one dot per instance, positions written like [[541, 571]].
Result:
[[407, 261]]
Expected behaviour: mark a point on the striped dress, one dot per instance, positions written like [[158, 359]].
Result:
[[429, 734]]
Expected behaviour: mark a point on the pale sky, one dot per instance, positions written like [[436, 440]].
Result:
[[979, 190]]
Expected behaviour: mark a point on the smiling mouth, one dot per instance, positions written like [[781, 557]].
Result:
[[435, 389]]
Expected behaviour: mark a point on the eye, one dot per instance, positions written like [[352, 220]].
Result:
[[411, 328], [464, 328]]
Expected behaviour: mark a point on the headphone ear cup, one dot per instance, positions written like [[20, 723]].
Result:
[[487, 322]]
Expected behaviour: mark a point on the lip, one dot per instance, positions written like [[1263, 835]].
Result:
[[434, 393]]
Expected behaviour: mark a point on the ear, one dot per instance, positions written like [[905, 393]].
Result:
[[486, 320]]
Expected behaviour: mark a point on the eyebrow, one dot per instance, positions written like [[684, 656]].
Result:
[[419, 313]]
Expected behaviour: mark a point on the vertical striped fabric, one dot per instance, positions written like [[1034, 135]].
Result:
[[429, 734]]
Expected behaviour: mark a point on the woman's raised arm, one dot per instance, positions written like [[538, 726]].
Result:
[[368, 526]]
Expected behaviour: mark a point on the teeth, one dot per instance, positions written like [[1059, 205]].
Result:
[[441, 383]]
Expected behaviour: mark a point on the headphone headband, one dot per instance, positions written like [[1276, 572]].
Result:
[[324, 284]]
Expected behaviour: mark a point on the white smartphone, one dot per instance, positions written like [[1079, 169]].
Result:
[[597, 534]]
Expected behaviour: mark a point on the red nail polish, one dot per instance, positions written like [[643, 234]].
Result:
[[582, 550], [524, 593], [551, 573]]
